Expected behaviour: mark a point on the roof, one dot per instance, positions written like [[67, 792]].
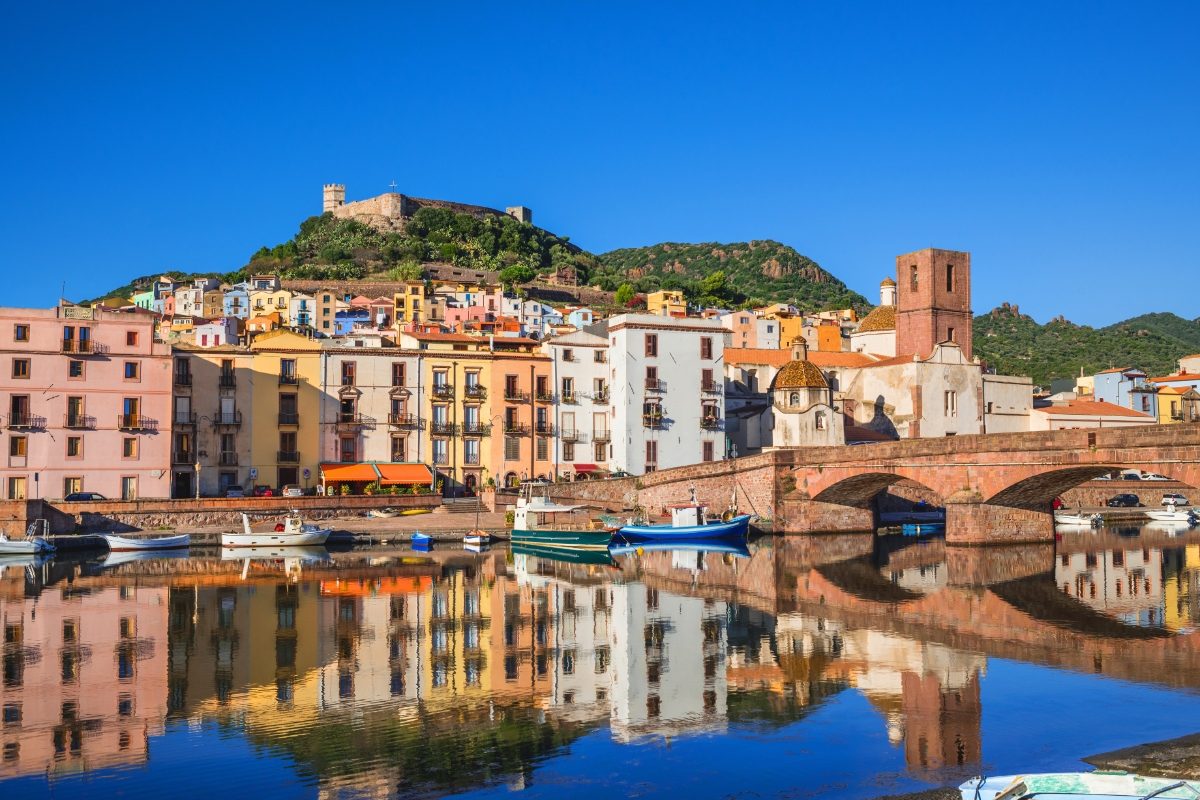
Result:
[[881, 318], [1092, 408], [1174, 389], [887, 282], [799, 374], [1117, 369], [1179, 376], [839, 358], [894, 361], [757, 355]]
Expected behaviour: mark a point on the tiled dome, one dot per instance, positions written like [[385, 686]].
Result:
[[881, 318], [799, 374]]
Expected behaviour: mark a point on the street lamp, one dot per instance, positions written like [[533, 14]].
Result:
[[196, 467]]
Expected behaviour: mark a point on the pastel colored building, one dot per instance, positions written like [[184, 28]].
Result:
[[1066, 413], [287, 391], [85, 395], [216, 333], [1127, 387], [668, 302], [580, 317], [237, 301]]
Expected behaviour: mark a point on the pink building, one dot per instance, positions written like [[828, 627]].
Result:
[[85, 401]]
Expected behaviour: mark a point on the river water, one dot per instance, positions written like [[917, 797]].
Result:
[[834, 666]]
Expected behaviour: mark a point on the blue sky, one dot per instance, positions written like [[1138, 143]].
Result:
[[1055, 141]]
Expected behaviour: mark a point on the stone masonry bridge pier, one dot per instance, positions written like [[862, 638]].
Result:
[[996, 488]]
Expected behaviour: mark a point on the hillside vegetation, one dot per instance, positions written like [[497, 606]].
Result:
[[1015, 344], [756, 273]]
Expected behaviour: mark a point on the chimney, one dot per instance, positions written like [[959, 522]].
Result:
[[799, 349]]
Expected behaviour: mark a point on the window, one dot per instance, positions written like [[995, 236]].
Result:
[[913, 277], [440, 451], [950, 278], [347, 373], [543, 448], [599, 451], [72, 485], [16, 488], [950, 335], [651, 455], [651, 345], [20, 368], [346, 450], [471, 451], [706, 348], [398, 373], [568, 451], [951, 401], [132, 370], [568, 354], [21, 333], [706, 449], [131, 338], [74, 446], [512, 448], [599, 356], [129, 448], [18, 446], [652, 378], [399, 448], [74, 369], [821, 421], [129, 488]]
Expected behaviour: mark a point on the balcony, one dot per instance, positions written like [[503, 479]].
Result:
[[227, 380], [183, 418], [475, 391], [443, 428], [408, 422], [26, 421], [544, 428], [569, 435], [227, 419], [182, 457], [183, 380], [710, 423], [227, 459], [289, 379], [345, 421], [444, 391], [516, 428], [82, 347], [655, 421], [79, 421], [136, 422], [288, 457], [602, 437], [515, 395], [656, 385], [545, 397], [568, 398], [600, 397], [712, 387], [476, 429], [289, 418]]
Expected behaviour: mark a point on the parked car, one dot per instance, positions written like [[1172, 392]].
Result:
[[263, 491], [84, 497], [1124, 501], [235, 491], [292, 490], [1131, 476], [1154, 476], [1175, 499], [1105, 477]]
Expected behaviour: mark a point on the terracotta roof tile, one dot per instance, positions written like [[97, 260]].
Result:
[[1092, 408], [757, 355], [881, 318], [828, 358], [799, 375], [1179, 376]]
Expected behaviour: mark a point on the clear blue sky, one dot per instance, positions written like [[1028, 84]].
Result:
[[1055, 141]]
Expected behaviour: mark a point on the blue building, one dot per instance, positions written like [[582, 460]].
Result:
[[348, 319], [237, 301], [1127, 387], [580, 318]]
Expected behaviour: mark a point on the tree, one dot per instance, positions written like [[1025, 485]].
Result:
[[517, 273], [625, 293]]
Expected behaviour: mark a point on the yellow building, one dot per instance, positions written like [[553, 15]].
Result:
[[1178, 404], [286, 387], [264, 302], [213, 304], [410, 304], [669, 302]]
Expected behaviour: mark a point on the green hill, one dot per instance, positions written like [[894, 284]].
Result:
[[1015, 344], [755, 273]]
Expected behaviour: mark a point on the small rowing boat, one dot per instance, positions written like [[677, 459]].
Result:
[[477, 537], [293, 532], [421, 541], [118, 544]]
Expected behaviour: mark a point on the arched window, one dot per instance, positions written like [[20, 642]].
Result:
[[794, 399], [820, 420], [511, 480]]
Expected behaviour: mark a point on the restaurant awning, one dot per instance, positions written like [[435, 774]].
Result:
[[405, 474], [585, 467], [346, 473]]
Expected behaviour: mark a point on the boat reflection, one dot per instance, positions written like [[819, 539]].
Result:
[[449, 670]]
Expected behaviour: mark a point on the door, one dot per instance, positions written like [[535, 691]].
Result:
[[181, 485], [129, 488]]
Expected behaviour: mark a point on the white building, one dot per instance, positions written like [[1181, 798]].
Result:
[[667, 391], [877, 331], [581, 374]]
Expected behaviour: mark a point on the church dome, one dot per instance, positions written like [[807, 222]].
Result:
[[887, 282], [881, 318], [799, 374]]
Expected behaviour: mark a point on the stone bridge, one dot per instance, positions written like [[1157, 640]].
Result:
[[996, 488]]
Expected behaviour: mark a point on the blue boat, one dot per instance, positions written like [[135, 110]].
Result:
[[922, 528], [690, 521], [421, 541]]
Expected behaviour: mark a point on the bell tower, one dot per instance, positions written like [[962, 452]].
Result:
[[934, 301]]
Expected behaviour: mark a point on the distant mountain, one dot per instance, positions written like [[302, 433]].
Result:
[[757, 273], [1017, 345]]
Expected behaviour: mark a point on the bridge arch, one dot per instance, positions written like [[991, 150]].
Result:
[[1036, 492], [858, 490]]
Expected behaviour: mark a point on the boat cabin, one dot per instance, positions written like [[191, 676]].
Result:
[[689, 514]]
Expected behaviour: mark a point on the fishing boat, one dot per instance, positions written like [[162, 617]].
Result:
[[1078, 518], [22, 547], [1172, 514], [476, 548], [477, 537], [690, 521], [117, 544], [421, 541], [1099, 785], [538, 520], [305, 555], [292, 532]]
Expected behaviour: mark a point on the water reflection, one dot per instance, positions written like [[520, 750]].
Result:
[[391, 672]]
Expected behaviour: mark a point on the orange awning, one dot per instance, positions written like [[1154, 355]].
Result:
[[348, 472], [392, 474]]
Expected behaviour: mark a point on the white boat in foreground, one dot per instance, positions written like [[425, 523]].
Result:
[[1171, 514], [292, 532], [118, 544], [23, 547], [1100, 785], [1067, 518]]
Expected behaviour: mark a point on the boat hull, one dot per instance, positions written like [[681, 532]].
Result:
[[584, 540], [123, 544], [25, 547], [1170, 516], [270, 539], [738, 526]]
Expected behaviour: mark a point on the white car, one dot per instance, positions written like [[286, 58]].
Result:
[[1175, 499], [1154, 476]]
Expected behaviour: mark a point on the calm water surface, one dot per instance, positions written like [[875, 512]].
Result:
[[839, 666]]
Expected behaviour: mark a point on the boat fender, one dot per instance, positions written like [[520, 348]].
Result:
[[727, 515], [279, 527]]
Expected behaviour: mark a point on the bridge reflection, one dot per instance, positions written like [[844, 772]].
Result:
[[386, 671]]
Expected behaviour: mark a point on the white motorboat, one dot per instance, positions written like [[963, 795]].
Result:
[[292, 532], [1099, 785], [118, 544], [1171, 514], [23, 547], [1087, 520]]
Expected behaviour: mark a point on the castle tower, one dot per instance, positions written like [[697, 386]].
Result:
[[887, 292], [335, 197], [934, 301], [520, 213]]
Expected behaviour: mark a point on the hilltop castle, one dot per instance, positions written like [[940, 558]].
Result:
[[391, 211]]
